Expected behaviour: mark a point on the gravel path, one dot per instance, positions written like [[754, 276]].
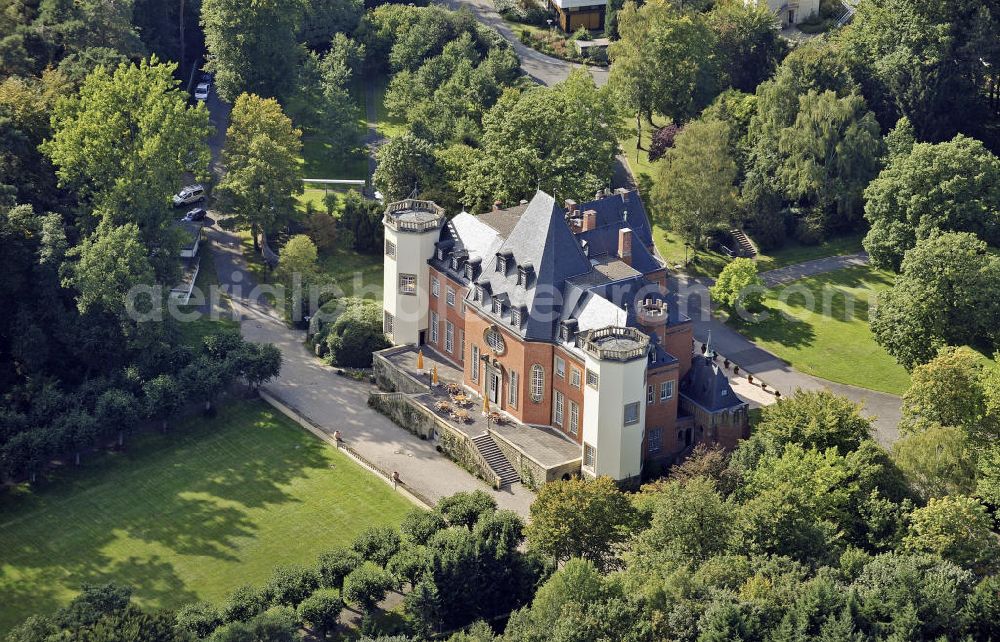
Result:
[[798, 271]]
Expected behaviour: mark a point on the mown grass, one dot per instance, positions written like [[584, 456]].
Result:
[[186, 516], [819, 325]]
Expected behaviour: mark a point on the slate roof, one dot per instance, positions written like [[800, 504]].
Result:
[[707, 385]]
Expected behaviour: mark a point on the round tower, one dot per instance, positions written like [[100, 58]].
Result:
[[412, 227], [614, 416]]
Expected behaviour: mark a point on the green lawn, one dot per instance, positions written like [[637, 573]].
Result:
[[794, 252], [828, 339], [638, 159], [703, 262], [323, 158], [187, 516], [388, 126], [357, 274]]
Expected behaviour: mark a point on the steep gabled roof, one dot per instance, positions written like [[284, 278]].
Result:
[[708, 386]]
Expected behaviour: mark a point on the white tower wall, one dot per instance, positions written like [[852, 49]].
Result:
[[413, 227], [618, 447]]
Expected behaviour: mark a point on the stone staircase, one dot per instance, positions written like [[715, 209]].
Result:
[[744, 246], [488, 448]]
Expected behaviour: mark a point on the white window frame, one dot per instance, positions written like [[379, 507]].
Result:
[[449, 337], [435, 286], [589, 456], [435, 334], [497, 306], [475, 363], [390, 249], [515, 317], [560, 367], [408, 284], [628, 418], [593, 379], [666, 390], [654, 441], [388, 321], [512, 389], [537, 383], [574, 417], [450, 296], [558, 408], [574, 377], [649, 394]]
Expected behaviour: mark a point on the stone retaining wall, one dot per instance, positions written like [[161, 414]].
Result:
[[394, 379], [533, 474]]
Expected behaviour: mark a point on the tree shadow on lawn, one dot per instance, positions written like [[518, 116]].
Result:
[[175, 498], [777, 327]]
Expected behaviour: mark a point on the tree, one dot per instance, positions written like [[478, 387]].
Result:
[[362, 220], [739, 287], [947, 391], [289, 585], [747, 42], [324, 18], [252, 47], [298, 257], [262, 167], [117, 409], [423, 606], [663, 139], [409, 564], [111, 263], [404, 164], [937, 461], [366, 586], [243, 604], [335, 565], [419, 525], [199, 619], [815, 419], [377, 544], [163, 398], [122, 142], [562, 139], [828, 157], [321, 611], [259, 363], [663, 62], [952, 186], [988, 476], [696, 191], [956, 528], [578, 518], [947, 294], [465, 508], [279, 624]]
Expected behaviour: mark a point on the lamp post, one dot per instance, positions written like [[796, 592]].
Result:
[[549, 20]]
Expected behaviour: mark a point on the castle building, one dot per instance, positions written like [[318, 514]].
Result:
[[561, 317]]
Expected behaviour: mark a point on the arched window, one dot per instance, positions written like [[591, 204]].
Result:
[[537, 383]]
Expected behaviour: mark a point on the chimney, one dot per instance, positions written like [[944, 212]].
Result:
[[625, 245], [589, 220], [570, 205]]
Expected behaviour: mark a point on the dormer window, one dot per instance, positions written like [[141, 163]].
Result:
[[454, 263], [515, 317], [522, 276], [497, 306], [567, 330], [501, 264], [440, 254], [468, 272], [478, 296]]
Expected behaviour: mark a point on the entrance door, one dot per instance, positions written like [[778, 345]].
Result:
[[494, 388], [791, 17]]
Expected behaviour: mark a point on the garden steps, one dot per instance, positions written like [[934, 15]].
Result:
[[744, 245], [496, 460]]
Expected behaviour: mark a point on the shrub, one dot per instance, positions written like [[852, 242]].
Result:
[[419, 525], [464, 509], [355, 335], [738, 284], [243, 603], [335, 565], [199, 619]]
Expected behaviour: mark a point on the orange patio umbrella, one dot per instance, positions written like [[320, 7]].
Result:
[[420, 359]]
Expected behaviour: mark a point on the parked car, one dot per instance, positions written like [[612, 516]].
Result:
[[197, 214], [188, 195], [201, 91], [206, 78]]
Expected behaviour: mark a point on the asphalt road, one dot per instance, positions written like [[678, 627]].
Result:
[[545, 70]]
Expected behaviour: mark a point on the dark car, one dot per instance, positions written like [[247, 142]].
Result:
[[206, 78], [197, 214]]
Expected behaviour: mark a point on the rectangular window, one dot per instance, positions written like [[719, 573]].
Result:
[[515, 318], [435, 286], [512, 390], [434, 327], [474, 363], [574, 378], [450, 296], [449, 338], [574, 417], [666, 390], [387, 323], [557, 408], [461, 334], [390, 249], [589, 456], [497, 306], [407, 283], [655, 440], [592, 379], [631, 413], [649, 394], [560, 368]]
